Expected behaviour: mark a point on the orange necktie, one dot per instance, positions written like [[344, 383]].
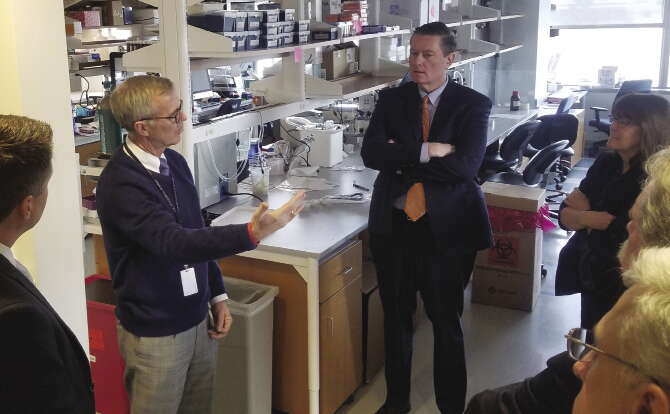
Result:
[[415, 203]]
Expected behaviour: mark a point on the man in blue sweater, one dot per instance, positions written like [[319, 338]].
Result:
[[161, 254]]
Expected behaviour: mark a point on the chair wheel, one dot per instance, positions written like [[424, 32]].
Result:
[[559, 186], [543, 272]]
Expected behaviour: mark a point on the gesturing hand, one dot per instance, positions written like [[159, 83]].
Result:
[[265, 222]]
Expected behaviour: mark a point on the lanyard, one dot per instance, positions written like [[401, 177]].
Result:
[[173, 207]]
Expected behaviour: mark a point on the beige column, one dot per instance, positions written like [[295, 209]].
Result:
[[34, 81]]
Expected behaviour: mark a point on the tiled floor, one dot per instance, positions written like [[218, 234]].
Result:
[[502, 345]]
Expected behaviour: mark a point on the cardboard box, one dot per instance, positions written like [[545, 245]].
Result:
[[88, 18], [72, 26], [340, 62], [508, 274], [331, 7]]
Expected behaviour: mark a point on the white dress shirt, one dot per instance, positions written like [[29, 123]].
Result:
[[152, 163], [7, 252]]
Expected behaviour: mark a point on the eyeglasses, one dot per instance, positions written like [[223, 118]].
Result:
[[176, 118], [621, 120], [581, 342]]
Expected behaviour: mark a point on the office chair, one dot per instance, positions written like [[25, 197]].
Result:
[[538, 169], [566, 104], [556, 128], [511, 151], [603, 125]]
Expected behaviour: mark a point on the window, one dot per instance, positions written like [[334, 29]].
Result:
[[571, 13], [627, 34], [578, 54]]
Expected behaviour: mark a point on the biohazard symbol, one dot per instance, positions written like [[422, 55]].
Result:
[[505, 251]]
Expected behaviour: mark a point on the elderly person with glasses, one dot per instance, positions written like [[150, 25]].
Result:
[[553, 390], [624, 364], [161, 255]]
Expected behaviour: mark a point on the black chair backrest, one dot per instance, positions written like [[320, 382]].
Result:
[[630, 86], [515, 143], [555, 128], [541, 162], [566, 104]]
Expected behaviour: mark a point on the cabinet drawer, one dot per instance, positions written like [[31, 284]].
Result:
[[340, 346], [336, 272]]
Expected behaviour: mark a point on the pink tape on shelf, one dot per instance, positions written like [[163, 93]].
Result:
[[297, 54]]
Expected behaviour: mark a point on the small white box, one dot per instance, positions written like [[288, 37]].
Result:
[[325, 145], [607, 76]]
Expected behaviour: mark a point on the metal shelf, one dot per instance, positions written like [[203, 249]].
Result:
[[375, 35], [247, 119], [92, 71], [363, 84], [511, 16], [208, 45], [479, 20]]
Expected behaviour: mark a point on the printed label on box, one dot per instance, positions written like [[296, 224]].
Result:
[[505, 251]]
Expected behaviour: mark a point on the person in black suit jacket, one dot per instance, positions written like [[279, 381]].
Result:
[[433, 132], [44, 368]]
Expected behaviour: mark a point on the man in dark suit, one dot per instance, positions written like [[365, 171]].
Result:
[[44, 368], [427, 216]]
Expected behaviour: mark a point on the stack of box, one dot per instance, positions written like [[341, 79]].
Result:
[[268, 28], [329, 7], [508, 274], [359, 7]]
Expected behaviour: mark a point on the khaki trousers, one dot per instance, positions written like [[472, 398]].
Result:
[[170, 374]]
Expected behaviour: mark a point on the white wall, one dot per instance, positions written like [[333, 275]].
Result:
[[34, 82], [524, 69]]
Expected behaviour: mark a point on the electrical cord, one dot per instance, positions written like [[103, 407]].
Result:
[[88, 87], [248, 194], [309, 148]]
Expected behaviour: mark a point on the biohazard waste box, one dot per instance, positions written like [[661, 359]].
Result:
[[508, 274]]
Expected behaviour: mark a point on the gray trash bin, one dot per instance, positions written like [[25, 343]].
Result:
[[243, 380]]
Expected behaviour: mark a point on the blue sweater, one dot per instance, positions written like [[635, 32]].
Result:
[[148, 245]]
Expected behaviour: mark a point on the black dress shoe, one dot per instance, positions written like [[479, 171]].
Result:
[[384, 409]]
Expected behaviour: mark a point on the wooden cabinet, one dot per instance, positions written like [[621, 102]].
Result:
[[340, 320], [338, 271], [340, 345]]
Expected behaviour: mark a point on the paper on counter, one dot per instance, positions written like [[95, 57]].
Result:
[[304, 171], [306, 183], [236, 215]]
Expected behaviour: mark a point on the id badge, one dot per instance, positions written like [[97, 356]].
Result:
[[188, 282]]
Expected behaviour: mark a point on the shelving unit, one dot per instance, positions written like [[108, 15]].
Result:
[[102, 69]]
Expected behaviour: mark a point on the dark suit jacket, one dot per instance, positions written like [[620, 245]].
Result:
[[455, 204], [44, 368]]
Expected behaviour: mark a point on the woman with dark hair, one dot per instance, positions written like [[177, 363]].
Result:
[[598, 209]]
